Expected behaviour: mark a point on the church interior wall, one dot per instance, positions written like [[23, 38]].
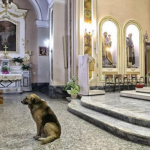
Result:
[[126, 10], [31, 34], [43, 61]]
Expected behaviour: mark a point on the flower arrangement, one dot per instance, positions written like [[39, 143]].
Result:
[[148, 74], [72, 88], [17, 59], [5, 70], [25, 67]]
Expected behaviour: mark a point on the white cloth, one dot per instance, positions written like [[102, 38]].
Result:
[[10, 77]]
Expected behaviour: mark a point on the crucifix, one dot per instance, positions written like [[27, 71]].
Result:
[[5, 53]]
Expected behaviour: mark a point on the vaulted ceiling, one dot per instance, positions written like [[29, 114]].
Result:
[[41, 7]]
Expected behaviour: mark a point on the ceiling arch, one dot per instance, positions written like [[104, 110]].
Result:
[[37, 9]]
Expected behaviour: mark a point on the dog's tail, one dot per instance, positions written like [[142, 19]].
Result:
[[48, 139]]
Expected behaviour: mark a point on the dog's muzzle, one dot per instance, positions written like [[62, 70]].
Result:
[[24, 102]]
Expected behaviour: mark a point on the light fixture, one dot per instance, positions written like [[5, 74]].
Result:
[[47, 42], [88, 28]]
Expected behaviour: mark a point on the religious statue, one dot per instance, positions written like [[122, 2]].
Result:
[[106, 46], [91, 63], [146, 37], [130, 51]]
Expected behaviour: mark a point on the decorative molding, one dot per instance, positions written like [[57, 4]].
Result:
[[44, 24], [51, 2], [37, 9], [17, 17]]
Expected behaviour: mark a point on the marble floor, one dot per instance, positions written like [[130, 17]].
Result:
[[122, 105], [17, 129]]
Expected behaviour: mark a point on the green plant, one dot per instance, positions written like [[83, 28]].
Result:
[[17, 59], [148, 74], [25, 67], [71, 87], [72, 91], [5, 69]]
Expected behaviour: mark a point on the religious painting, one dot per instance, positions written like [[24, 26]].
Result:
[[109, 45], [88, 44], [42, 51], [8, 36], [87, 11], [132, 46], [88, 36], [5, 63]]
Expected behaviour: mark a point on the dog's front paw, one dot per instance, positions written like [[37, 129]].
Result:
[[36, 137]]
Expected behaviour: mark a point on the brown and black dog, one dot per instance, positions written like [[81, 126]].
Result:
[[46, 121]]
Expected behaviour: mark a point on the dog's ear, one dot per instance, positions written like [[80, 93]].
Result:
[[33, 100]]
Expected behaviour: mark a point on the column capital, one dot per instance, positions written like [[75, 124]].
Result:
[[44, 23]]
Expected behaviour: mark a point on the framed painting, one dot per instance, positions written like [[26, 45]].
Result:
[[8, 36], [5, 63], [42, 51]]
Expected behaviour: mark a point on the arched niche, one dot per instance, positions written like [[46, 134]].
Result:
[[109, 46], [133, 47]]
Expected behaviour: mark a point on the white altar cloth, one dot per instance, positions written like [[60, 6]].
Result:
[[10, 77]]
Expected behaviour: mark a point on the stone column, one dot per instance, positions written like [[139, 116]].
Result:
[[59, 8]]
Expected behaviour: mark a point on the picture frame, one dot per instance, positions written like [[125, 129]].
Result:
[[8, 37], [42, 51], [5, 63]]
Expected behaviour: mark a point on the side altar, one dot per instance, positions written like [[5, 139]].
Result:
[[13, 42], [16, 81]]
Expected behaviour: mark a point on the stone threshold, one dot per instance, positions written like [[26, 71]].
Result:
[[118, 127]]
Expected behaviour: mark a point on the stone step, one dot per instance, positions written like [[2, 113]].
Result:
[[94, 92], [134, 94], [120, 128], [129, 110], [143, 90]]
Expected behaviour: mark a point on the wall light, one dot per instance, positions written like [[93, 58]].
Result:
[[88, 28], [47, 42]]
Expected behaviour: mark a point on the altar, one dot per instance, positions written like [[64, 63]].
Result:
[[14, 79], [13, 53], [11, 83]]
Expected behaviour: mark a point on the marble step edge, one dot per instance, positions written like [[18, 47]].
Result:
[[125, 116], [137, 95], [140, 135]]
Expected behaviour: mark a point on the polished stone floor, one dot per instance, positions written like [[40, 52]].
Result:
[[17, 129], [128, 106]]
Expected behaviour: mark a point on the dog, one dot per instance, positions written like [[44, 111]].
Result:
[[46, 121]]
